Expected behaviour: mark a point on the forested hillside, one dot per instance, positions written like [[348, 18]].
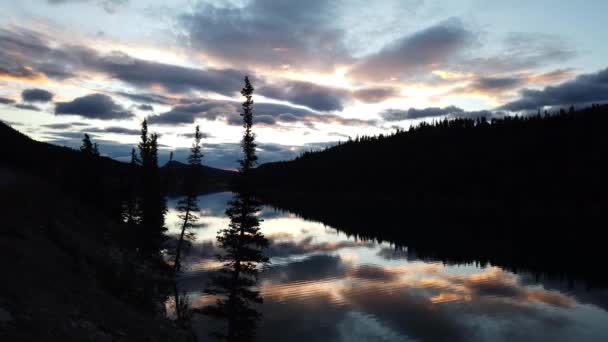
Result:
[[513, 166]]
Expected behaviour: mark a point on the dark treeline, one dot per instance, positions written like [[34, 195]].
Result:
[[519, 192], [514, 167]]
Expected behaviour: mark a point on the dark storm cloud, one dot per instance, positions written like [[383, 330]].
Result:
[[422, 51], [27, 106], [314, 96], [375, 94], [269, 33], [583, 89], [94, 106], [413, 113], [265, 113], [145, 107], [36, 95], [4, 100]]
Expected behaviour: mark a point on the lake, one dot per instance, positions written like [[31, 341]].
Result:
[[322, 285]]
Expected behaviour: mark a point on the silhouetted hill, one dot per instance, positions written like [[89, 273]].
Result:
[[70, 272], [64, 166], [510, 166], [212, 179]]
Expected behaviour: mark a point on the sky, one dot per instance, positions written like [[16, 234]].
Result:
[[323, 71]]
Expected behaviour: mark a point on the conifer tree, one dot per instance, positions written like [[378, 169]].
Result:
[[87, 145], [153, 207], [243, 244], [131, 209], [188, 206]]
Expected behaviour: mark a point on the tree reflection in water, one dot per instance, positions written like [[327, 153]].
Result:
[[234, 283]]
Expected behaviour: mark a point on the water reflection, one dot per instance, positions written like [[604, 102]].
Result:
[[233, 285], [324, 286]]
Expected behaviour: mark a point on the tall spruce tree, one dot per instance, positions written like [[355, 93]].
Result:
[[243, 244], [188, 206], [153, 207], [248, 143]]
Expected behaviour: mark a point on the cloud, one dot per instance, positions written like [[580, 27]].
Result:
[[145, 107], [496, 83], [146, 98], [110, 6], [94, 106], [421, 51], [59, 125], [521, 51], [305, 246], [4, 100], [375, 94], [314, 96], [501, 87], [413, 113], [16, 48], [268, 33], [29, 54], [583, 89], [36, 95], [265, 113], [204, 135], [173, 78], [490, 86], [187, 114], [27, 106], [113, 129]]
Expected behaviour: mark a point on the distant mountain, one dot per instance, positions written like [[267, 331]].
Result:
[[64, 165], [212, 179]]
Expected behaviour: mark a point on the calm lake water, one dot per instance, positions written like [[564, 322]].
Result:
[[324, 286]]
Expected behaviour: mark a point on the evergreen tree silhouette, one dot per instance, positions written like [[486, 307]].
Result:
[[153, 207], [131, 209], [188, 206], [243, 245], [87, 145]]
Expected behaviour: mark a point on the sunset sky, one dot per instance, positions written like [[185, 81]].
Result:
[[323, 70]]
